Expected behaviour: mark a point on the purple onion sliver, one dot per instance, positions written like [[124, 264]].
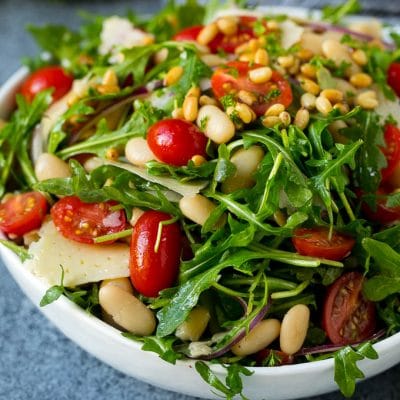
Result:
[[153, 85]]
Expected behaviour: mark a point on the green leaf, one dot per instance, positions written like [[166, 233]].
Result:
[[51, 295], [334, 14], [20, 251], [205, 372]]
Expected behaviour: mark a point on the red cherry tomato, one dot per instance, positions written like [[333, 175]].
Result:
[[154, 269], [188, 34], [83, 222], [393, 77], [233, 77], [315, 242], [22, 213], [281, 357], [391, 152], [175, 141], [347, 316], [45, 78]]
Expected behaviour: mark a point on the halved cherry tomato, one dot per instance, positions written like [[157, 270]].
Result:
[[175, 141], [347, 316], [154, 267], [83, 222], [391, 152], [393, 77], [233, 77], [22, 213], [315, 242], [188, 34], [45, 78]]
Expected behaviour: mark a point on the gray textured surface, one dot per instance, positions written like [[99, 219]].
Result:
[[36, 361]]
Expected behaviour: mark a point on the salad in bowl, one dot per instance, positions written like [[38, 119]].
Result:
[[220, 186]]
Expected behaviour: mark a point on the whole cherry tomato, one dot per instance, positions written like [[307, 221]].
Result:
[[22, 213], [393, 77], [392, 153], [83, 222], [233, 76], [188, 34], [45, 78], [315, 242], [347, 316], [175, 141], [154, 264]]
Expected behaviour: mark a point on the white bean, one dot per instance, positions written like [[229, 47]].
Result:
[[262, 335], [49, 166], [122, 283], [294, 328], [216, 124], [138, 152], [195, 324], [246, 162], [197, 208], [126, 310]]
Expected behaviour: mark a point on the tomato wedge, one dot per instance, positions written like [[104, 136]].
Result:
[[392, 154], [83, 222], [154, 267], [233, 76], [393, 77], [22, 213], [315, 242], [347, 316]]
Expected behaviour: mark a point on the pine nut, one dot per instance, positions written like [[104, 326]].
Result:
[[308, 70], [305, 54], [270, 122], [246, 162], [280, 218], [194, 326], [310, 86], [361, 80], [217, 125], [122, 283], [286, 61], [49, 166], [333, 95], [207, 34], [294, 69], [294, 328], [197, 208], [126, 310], [190, 108], [308, 101], [112, 154], [228, 25], [213, 60], [367, 100], [342, 107], [275, 110], [285, 117], [246, 97], [138, 152], [273, 25], [207, 100], [247, 57], [198, 160], [359, 57], [177, 113], [302, 118], [242, 48], [193, 91], [261, 336], [107, 89], [245, 113], [254, 45], [260, 75], [160, 56], [261, 57], [110, 78], [323, 105], [173, 75]]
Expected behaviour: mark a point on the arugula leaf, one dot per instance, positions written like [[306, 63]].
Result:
[[389, 312], [20, 251], [334, 14]]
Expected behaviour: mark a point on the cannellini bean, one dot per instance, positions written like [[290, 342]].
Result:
[[126, 310], [197, 208], [138, 152], [92, 163], [122, 283], [217, 125], [49, 166], [195, 325], [246, 162], [262, 335], [294, 328], [338, 53]]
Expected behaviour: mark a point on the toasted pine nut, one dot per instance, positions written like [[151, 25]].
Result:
[[198, 160], [308, 70], [359, 57], [177, 113], [193, 91], [49, 166], [286, 61], [260, 75], [285, 117], [217, 125], [213, 60], [190, 108], [280, 218], [138, 152], [305, 54], [310, 86], [207, 34], [294, 328], [262, 335], [302, 118], [333, 95], [254, 45], [245, 113], [228, 25], [160, 56], [107, 89], [261, 57], [112, 154], [270, 122], [126, 310], [110, 78], [173, 75], [207, 100], [242, 48], [361, 80], [342, 107], [136, 214], [307, 101], [194, 326], [248, 56], [273, 25], [197, 208], [246, 162], [246, 97], [122, 283], [367, 100], [294, 69], [323, 105], [274, 110]]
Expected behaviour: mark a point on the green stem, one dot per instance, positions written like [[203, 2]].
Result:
[[228, 291], [159, 231], [113, 236], [290, 293]]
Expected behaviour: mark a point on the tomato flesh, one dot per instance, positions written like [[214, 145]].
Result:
[[393, 77], [83, 222], [347, 316], [175, 141], [45, 78], [22, 213], [315, 242], [391, 152], [233, 77], [154, 269]]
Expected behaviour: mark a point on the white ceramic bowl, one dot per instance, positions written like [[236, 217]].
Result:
[[108, 345]]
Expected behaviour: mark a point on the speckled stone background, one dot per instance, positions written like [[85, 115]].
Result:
[[36, 361]]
